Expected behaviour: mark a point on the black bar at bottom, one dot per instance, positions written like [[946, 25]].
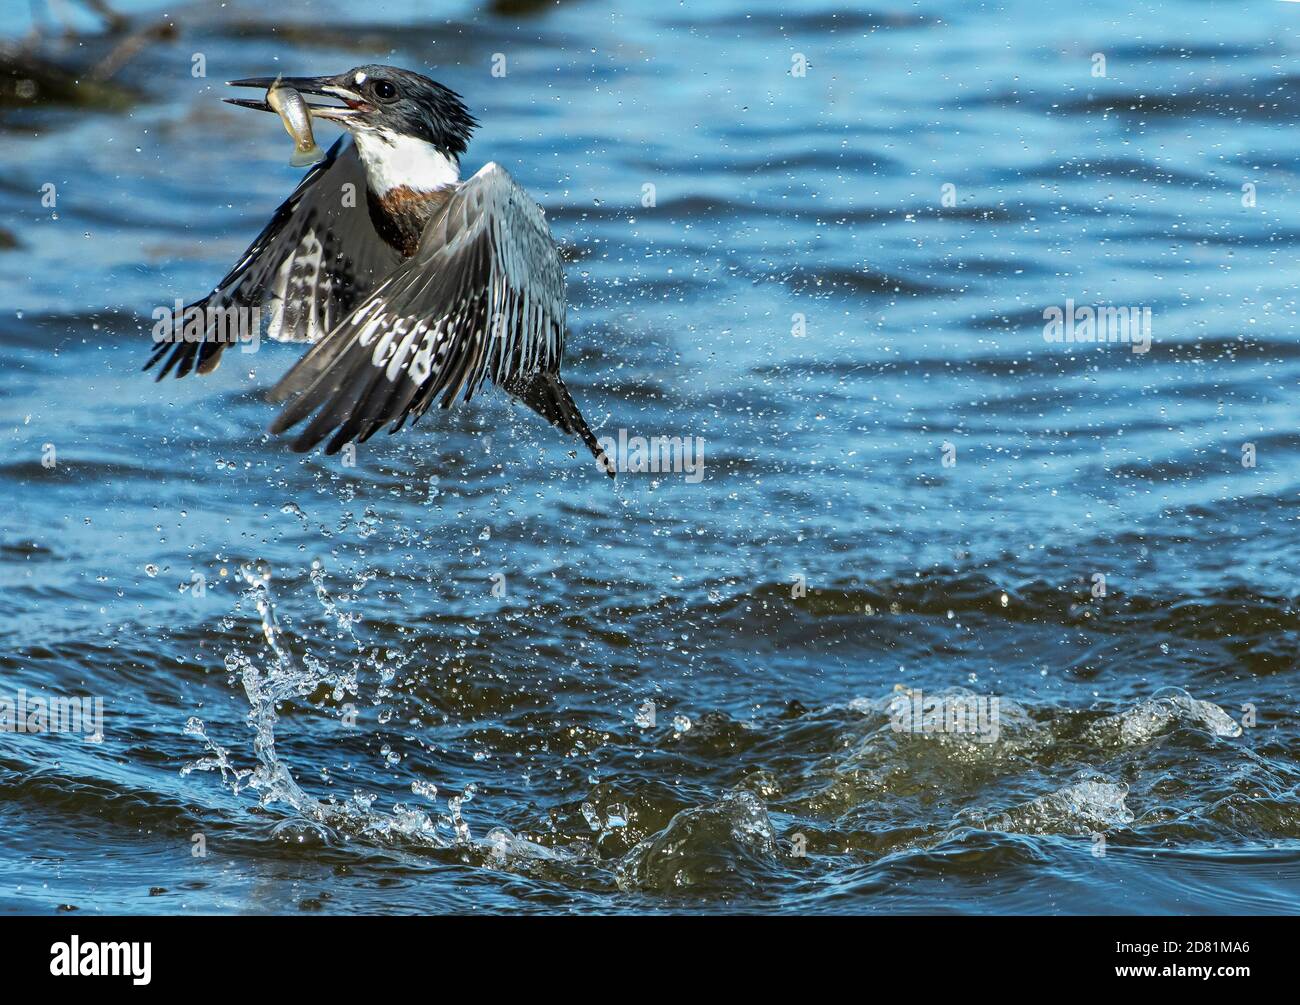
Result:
[[335, 954]]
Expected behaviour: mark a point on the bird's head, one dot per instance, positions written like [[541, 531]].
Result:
[[391, 112]]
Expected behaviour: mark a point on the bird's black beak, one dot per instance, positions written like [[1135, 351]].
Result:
[[353, 103]]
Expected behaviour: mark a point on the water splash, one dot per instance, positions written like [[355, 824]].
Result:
[[1167, 709], [269, 682], [277, 677], [730, 842], [1091, 805], [265, 690]]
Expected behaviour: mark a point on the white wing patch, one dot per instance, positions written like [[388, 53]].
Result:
[[316, 259], [300, 294]]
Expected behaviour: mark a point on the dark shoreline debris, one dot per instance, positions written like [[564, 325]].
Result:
[[28, 80], [33, 72]]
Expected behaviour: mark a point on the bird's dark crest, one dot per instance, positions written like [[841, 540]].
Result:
[[423, 108]]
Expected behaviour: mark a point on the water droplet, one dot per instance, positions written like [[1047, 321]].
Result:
[[427, 790]]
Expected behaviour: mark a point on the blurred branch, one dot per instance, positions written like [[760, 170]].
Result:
[[43, 13], [132, 46], [113, 21]]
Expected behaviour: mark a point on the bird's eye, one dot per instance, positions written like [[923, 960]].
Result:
[[384, 90]]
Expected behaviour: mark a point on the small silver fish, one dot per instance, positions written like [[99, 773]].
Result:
[[297, 123]]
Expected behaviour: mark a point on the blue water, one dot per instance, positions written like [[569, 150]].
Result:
[[315, 701]]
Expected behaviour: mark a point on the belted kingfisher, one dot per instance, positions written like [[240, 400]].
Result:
[[420, 286]]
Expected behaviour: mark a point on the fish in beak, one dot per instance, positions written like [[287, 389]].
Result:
[[296, 118], [353, 104]]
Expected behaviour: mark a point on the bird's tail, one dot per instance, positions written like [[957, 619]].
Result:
[[546, 395]]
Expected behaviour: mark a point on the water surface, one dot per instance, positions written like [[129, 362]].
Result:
[[678, 697]]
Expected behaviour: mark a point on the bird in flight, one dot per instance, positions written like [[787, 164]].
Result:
[[412, 285]]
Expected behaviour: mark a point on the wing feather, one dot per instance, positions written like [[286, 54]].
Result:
[[482, 298], [311, 264]]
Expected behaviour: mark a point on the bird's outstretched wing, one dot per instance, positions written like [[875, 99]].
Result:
[[313, 262], [481, 299]]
